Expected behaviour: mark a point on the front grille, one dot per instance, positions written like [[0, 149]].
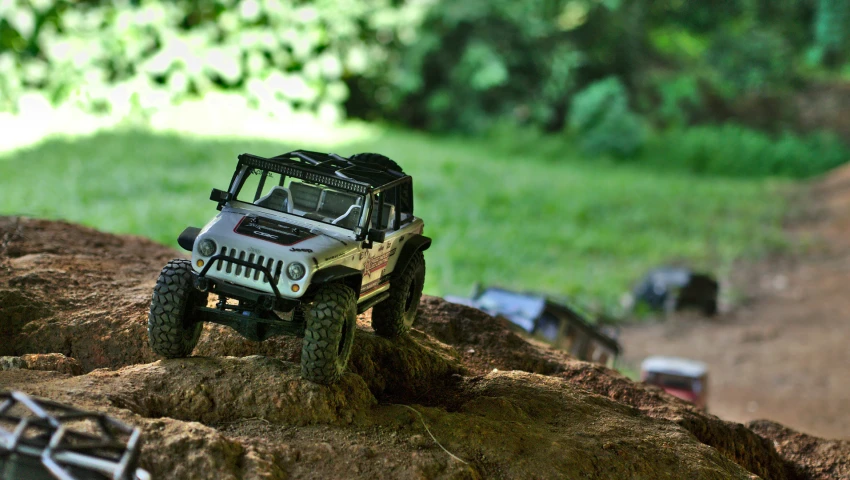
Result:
[[239, 272]]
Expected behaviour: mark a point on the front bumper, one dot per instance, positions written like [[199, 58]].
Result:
[[232, 290], [253, 317]]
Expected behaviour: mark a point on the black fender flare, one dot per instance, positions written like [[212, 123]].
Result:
[[187, 238], [416, 243], [351, 277]]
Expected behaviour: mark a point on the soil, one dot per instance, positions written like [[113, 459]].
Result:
[[781, 353], [463, 396]]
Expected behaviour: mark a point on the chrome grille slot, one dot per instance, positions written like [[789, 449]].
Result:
[[277, 271], [230, 265], [257, 272], [239, 267], [218, 264], [269, 266], [249, 270]]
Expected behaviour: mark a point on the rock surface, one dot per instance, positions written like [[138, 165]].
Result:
[[497, 405], [52, 362]]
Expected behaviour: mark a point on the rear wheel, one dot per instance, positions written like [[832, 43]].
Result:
[[376, 159], [395, 315], [329, 335], [172, 330]]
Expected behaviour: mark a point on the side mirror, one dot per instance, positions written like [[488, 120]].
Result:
[[220, 196], [376, 235]]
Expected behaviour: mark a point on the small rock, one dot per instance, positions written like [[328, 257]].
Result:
[[367, 451], [11, 363], [419, 441]]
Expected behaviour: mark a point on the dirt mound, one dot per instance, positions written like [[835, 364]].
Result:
[[489, 344], [813, 457], [503, 407], [485, 342], [405, 369], [223, 389], [76, 291]]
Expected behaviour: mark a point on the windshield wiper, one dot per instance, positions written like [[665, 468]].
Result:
[[315, 231]]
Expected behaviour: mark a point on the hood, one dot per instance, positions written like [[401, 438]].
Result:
[[273, 230]]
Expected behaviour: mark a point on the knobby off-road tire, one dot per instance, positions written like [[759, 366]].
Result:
[[172, 332], [376, 159], [331, 322], [395, 315]]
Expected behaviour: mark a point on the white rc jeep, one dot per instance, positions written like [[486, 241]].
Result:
[[304, 242]]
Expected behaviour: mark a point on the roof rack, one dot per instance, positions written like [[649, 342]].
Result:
[[329, 169], [38, 441]]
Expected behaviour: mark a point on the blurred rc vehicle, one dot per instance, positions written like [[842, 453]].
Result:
[[554, 322], [304, 242], [681, 377], [670, 289]]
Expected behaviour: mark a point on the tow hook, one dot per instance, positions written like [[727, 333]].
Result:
[[202, 284], [266, 302]]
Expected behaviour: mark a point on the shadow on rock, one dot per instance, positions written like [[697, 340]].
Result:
[[411, 367]]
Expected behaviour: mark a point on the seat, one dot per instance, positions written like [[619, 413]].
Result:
[[335, 204], [279, 198], [349, 218], [306, 197], [388, 215]]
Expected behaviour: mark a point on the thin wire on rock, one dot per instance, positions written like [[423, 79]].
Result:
[[422, 418]]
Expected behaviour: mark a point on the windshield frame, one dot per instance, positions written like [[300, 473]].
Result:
[[244, 172]]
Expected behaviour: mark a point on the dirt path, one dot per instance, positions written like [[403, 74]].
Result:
[[783, 355]]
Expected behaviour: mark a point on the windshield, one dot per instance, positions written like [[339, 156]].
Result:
[[313, 201]]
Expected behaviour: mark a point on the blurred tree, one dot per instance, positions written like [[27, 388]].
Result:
[[602, 121], [831, 23]]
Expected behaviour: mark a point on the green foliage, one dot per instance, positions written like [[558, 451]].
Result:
[[831, 23], [678, 42], [678, 95], [696, 16], [754, 60], [731, 150], [478, 62], [283, 55], [556, 224], [603, 123]]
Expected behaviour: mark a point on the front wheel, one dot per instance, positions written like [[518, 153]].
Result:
[[329, 335], [172, 331], [395, 315]]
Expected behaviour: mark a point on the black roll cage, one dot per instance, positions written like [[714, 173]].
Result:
[[334, 171]]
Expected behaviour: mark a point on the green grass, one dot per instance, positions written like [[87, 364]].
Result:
[[552, 223]]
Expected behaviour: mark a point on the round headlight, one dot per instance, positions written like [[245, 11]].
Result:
[[207, 247], [295, 271]]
